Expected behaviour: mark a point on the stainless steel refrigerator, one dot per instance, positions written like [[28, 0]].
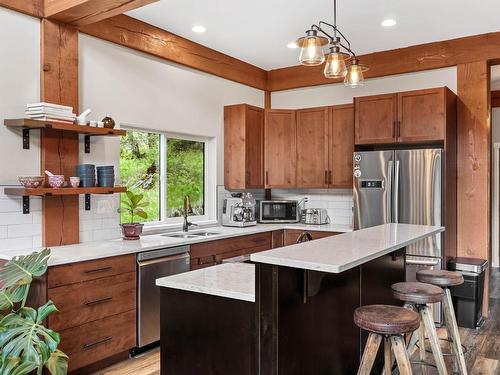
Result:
[[403, 186]]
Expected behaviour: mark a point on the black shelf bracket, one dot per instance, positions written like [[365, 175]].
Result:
[[87, 144], [26, 139], [26, 204], [87, 202]]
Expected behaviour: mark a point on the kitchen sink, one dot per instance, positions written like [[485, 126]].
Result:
[[205, 234], [180, 235]]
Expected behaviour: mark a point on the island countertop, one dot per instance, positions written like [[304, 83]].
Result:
[[340, 253]]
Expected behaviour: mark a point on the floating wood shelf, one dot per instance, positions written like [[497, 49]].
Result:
[[27, 124], [47, 192]]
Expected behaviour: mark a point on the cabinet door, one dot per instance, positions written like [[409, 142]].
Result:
[[254, 143], [341, 146], [421, 115], [375, 119], [280, 151], [312, 148]]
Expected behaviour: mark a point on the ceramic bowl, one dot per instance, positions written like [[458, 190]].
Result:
[[56, 181], [31, 182], [74, 181]]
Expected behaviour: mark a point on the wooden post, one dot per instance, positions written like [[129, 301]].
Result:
[[267, 105], [473, 162], [59, 150]]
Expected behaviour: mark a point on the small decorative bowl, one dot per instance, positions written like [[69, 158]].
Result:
[[74, 181], [56, 181], [31, 182]]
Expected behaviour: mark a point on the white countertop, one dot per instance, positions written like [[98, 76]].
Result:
[[231, 280], [345, 251], [103, 249]]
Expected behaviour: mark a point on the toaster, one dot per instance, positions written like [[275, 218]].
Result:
[[315, 216]]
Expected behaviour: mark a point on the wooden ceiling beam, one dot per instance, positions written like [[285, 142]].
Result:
[[143, 37], [30, 7], [484, 47], [86, 12]]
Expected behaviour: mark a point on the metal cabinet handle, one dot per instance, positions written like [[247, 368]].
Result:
[[267, 177], [96, 343], [330, 178], [98, 301], [326, 177], [97, 270]]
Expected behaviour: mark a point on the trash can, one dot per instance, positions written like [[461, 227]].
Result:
[[468, 297]]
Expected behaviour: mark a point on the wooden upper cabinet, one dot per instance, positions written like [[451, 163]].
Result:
[[312, 147], [421, 115], [375, 119], [243, 147], [280, 149], [341, 148]]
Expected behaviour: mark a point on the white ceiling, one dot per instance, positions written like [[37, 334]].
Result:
[[258, 31]]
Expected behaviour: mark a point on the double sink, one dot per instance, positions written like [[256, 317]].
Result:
[[190, 235]]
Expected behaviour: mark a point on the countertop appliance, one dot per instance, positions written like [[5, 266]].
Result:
[[403, 186], [317, 216], [239, 212], [152, 265], [279, 211]]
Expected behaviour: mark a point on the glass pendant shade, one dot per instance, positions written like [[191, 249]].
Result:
[[355, 76], [335, 64], [311, 49]]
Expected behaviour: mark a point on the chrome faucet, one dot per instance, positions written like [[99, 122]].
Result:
[[188, 209]]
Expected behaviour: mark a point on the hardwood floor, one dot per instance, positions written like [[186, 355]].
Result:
[[483, 356]]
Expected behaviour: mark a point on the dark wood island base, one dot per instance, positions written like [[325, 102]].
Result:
[[300, 323]]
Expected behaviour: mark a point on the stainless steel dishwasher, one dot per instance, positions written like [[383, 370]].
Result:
[[153, 265]]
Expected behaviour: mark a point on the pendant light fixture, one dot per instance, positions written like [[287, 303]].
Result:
[[341, 61]]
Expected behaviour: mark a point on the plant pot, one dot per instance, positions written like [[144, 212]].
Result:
[[132, 231]]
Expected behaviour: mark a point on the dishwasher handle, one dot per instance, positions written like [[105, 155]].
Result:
[[144, 263]]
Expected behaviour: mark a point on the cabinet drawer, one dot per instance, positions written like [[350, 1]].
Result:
[[92, 342], [91, 270], [205, 249], [292, 235], [92, 300]]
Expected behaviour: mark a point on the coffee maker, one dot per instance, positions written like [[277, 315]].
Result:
[[239, 211]]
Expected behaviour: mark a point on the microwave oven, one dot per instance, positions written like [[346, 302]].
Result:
[[279, 211]]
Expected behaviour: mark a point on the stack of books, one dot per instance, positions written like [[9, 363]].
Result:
[[50, 112]]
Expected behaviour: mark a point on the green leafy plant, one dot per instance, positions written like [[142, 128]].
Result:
[[133, 205], [26, 345]]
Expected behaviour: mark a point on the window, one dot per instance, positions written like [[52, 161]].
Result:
[[165, 168]]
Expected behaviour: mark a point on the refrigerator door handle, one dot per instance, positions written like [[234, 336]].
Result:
[[395, 195], [422, 262], [390, 167]]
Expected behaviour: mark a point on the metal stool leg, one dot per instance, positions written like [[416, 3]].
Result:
[[399, 348], [451, 324], [430, 328], [369, 354]]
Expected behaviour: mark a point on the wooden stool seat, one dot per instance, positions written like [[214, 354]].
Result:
[[386, 320], [440, 278], [417, 293]]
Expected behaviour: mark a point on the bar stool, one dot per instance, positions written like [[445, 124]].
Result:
[[445, 279], [418, 296], [389, 323]]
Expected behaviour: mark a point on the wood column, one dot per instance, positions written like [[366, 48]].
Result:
[[473, 162], [267, 105], [59, 150]]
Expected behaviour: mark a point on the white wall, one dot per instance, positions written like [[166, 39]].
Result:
[[340, 94]]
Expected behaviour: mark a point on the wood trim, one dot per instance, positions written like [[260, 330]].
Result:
[[495, 99], [140, 36], [30, 7], [398, 61], [59, 149], [86, 12], [267, 99], [474, 142]]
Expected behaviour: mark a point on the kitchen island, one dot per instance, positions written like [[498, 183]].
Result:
[[290, 312]]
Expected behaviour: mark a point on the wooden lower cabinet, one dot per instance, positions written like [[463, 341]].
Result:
[[98, 340], [291, 236]]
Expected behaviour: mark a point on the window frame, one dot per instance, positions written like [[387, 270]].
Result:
[[210, 176]]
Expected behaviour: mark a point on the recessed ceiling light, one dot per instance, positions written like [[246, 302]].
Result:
[[199, 29], [292, 45], [388, 22]]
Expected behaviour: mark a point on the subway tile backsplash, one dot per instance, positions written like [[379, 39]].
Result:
[[338, 202]]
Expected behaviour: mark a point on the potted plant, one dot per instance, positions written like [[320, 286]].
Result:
[[26, 345], [133, 205]]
